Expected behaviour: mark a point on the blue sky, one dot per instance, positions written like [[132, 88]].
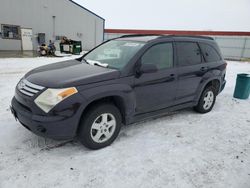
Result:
[[225, 15]]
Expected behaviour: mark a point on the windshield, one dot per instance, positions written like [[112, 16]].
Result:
[[114, 54]]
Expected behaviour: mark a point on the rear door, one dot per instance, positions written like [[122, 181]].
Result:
[[190, 70]]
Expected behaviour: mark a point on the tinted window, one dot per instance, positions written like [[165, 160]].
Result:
[[188, 53], [210, 53], [161, 55]]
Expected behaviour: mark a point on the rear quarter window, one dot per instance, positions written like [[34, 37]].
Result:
[[210, 53], [188, 53]]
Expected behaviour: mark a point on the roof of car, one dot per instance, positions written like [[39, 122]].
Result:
[[147, 38], [141, 38]]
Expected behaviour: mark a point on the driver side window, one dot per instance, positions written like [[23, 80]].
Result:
[[160, 55]]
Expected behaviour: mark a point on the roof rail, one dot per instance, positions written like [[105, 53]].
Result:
[[139, 35], [163, 36], [191, 36]]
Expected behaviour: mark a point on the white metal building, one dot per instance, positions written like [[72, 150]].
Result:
[[26, 23]]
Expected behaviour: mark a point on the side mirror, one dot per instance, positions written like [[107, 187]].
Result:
[[148, 68]]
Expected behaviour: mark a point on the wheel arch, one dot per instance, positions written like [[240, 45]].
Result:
[[116, 100], [120, 95], [216, 82]]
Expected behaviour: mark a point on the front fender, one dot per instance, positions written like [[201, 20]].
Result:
[[123, 91]]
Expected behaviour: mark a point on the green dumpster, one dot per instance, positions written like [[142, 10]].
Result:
[[77, 47], [242, 88]]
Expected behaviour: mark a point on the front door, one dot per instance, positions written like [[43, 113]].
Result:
[[155, 91], [27, 43]]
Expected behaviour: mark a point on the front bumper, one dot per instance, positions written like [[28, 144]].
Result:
[[59, 126]]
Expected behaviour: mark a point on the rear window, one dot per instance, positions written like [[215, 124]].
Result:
[[210, 53], [188, 53]]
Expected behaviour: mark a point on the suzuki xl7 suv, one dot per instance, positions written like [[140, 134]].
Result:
[[120, 82]]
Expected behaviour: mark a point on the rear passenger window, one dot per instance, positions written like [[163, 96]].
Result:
[[188, 53], [161, 55], [210, 53]]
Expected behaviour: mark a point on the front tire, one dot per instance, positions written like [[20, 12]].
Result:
[[100, 126], [206, 101]]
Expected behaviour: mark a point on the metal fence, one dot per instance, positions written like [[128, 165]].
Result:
[[232, 47]]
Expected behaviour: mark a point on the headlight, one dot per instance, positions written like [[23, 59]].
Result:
[[51, 97]]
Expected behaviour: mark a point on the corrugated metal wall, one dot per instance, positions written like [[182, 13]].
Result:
[[232, 47]]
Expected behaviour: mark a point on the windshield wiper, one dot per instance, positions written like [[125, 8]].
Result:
[[97, 63]]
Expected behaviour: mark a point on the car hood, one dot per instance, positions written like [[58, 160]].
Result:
[[69, 73]]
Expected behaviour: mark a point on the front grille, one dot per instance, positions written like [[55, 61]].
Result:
[[21, 106], [24, 106], [28, 88]]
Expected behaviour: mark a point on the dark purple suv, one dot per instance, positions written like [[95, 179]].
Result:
[[122, 81]]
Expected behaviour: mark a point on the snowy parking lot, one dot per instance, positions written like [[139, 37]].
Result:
[[183, 149]]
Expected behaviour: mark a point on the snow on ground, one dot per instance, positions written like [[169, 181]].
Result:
[[184, 149]]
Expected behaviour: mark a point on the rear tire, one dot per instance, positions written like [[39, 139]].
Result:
[[206, 101], [100, 126]]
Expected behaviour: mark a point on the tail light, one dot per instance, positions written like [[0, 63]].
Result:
[[224, 66]]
